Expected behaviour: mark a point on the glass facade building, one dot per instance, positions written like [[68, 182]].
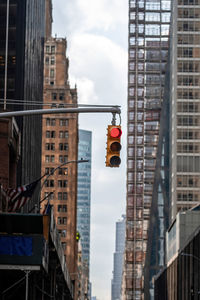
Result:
[[146, 145], [118, 259], [26, 32], [84, 192], [185, 105]]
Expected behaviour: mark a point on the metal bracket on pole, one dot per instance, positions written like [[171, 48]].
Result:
[[114, 119]]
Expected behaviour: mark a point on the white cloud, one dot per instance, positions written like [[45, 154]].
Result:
[[86, 90], [88, 15]]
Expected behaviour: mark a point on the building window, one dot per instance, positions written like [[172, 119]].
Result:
[[61, 134], [54, 96], [63, 233], [62, 196], [47, 158], [62, 208], [62, 96], [52, 82], [47, 60], [49, 183], [63, 158], [62, 220], [51, 73], [63, 146], [63, 122], [47, 122], [49, 195], [50, 122], [62, 171], [50, 146], [52, 49], [48, 170], [52, 60], [47, 49], [62, 183], [50, 134], [52, 158]]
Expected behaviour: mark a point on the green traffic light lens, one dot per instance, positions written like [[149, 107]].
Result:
[[115, 147], [115, 161]]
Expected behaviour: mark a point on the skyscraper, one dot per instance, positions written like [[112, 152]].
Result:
[[118, 259], [148, 52], [84, 192], [184, 105], [83, 202], [23, 86]]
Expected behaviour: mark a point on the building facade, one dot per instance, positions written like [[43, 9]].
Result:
[[181, 277], [60, 147], [84, 192], [23, 86], [118, 259], [148, 54], [84, 202], [185, 107]]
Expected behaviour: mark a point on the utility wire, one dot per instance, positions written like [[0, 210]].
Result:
[[53, 102]]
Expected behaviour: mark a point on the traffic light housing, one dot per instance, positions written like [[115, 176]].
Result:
[[78, 236], [114, 133]]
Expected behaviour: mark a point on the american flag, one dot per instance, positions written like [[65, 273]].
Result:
[[16, 198]]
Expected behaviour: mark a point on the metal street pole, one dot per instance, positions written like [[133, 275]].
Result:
[[27, 273], [112, 109], [6, 55]]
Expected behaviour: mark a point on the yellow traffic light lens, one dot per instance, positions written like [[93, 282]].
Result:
[[116, 146], [115, 161]]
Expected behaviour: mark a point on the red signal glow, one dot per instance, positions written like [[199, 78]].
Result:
[[115, 132]]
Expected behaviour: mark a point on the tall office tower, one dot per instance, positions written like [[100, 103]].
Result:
[[83, 196], [84, 192], [185, 105], [60, 146], [118, 259], [24, 80], [148, 48]]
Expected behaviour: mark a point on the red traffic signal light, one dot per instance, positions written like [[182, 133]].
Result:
[[114, 133]]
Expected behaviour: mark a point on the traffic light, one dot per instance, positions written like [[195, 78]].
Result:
[[114, 133], [78, 236]]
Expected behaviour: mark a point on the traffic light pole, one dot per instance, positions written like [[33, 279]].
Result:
[[96, 109]]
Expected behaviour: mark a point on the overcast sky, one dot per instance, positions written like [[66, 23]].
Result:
[[96, 32]]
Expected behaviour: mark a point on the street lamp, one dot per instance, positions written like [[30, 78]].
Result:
[[60, 166], [52, 172]]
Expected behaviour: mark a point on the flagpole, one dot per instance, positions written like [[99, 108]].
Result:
[[53, 171]]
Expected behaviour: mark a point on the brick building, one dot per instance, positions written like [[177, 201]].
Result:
[[59, 146]]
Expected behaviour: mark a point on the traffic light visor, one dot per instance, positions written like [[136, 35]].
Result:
[[115, 132]]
